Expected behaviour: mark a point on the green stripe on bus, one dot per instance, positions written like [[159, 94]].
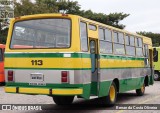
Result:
[[19, 84], [61, 55], [124, 67], [124, 85], [119, 57], [44, 55]]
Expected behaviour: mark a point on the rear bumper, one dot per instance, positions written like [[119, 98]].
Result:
[[44, 91]]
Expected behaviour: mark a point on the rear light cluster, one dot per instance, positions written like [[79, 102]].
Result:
[[10, 76], [64, 76]]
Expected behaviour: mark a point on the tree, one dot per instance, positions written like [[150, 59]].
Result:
[[4, 23], [112, 19], [26, 7], [154, 36]]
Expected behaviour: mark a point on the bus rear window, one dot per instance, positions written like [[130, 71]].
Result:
[[41, 33]]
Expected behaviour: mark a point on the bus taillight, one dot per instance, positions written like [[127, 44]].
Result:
[[10, 76], [64, 76]]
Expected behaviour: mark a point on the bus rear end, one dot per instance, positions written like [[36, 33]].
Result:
[[42, 57], [2, 48]]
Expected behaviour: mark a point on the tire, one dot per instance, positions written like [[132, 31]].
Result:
[[63, 100], [156, 76], [2, 83], [110, 100], [141, 91]]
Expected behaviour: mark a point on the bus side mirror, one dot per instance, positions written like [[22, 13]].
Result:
[[155, 55]]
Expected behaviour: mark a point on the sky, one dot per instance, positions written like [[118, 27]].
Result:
[[144, 14]]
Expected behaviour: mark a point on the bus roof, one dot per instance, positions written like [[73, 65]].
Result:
[[147, 40]]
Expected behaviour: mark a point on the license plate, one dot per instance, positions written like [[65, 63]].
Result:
[[37, 77], [37, 84]]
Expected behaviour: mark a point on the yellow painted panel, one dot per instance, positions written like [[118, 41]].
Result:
[[34, 90], [70, 63], [67, 91], [47, 63], [93, 34], [86, 62], [111, 63], [45, 91], [10, 89]]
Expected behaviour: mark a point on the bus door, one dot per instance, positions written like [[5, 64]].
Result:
[[148, 53], [94, 66], [151, 66]]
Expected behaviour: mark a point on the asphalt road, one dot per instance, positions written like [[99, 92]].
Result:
[[152, 96]]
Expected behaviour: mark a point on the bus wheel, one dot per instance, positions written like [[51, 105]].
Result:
[[156, 76], [141, 91], [63, 100], [112, 96]]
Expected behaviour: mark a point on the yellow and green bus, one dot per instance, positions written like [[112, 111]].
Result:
[[156, 63], [63, 56]]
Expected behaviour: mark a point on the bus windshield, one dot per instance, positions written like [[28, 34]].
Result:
[[41, 33]]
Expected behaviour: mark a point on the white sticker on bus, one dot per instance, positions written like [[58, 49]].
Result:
[[66, 55]]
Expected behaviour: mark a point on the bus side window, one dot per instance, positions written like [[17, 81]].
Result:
[[146, 53], [130, 48], [105, 38], [146, 50], [139, 47], [83, 37], [119, 47]]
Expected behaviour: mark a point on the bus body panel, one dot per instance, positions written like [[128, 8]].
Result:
[[2, 72], [78, 75], [129, 71], [157, 64], [54, 62], [2, 78], [51, 69]]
